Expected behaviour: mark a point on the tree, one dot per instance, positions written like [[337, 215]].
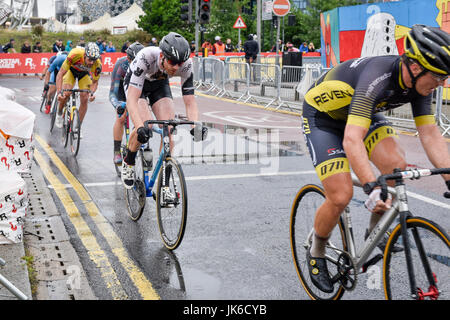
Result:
[[162, 17]]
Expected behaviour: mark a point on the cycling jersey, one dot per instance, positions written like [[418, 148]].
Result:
[[55, 66], [116, 93], [355, 92], [356, 89], [145, 70], [75, 63]]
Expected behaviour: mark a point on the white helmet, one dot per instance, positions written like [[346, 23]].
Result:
[[217, 38]]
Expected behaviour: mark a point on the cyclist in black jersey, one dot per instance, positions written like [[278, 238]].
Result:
[[344, 127]]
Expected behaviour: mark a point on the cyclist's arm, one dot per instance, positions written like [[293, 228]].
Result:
[[133, 96], [187, 89], [47, 77], [94, 87], [59, 79], [115, 86], [435, 146]]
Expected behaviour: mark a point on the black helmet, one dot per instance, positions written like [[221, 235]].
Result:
[[430, 47], [134, 49], [175, 48]]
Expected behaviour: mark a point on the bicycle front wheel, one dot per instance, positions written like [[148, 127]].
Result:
[[308, 199], [53, 112], [171, 203], [65, 128], [430, 246], [136, 196], [75, 132]]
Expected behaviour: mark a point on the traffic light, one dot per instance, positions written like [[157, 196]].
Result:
[[205, 11], [186, 11]]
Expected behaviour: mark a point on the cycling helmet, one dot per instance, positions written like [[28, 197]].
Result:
[[430, 47], [175, 48], [92, 51], [134, 49]]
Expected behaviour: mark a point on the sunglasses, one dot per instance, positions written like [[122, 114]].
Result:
[[438, 77], [173, 63]]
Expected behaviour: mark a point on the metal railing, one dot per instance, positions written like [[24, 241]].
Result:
[[278, 86]]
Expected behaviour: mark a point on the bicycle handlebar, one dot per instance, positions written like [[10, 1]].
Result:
[[76, 90], [408, 174], [173, 122]]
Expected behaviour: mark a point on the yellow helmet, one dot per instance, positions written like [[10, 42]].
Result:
[[430, 47]]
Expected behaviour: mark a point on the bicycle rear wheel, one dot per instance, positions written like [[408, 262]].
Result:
[[171, 203], [436, 245], [53, 112], [309, 198], [136, 196], [75, 132]]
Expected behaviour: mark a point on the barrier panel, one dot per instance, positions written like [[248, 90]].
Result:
[[19, 63]]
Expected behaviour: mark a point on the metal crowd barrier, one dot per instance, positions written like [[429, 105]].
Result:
[[276, 86]]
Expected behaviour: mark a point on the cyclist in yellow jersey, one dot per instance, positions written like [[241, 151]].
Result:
[[84, 65], [344, 128]]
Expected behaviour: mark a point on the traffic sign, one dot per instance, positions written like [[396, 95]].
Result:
[[239, 24], [281, 7]]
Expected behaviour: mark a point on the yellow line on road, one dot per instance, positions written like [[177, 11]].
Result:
[[97, 255], [143, 285]]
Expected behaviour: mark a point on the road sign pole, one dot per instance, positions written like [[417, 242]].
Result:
[[239, 40], [277, 59], [197, 26]]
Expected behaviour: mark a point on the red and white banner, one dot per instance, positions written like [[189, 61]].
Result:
[[36, 62]]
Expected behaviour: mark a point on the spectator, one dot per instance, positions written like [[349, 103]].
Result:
[[290, 47], [99, 43], [82, 43], [311, 47], [110, 47], [9, 45], [153, 43], [125, 47], [69, 45], [37, 48], [58, 46], [251, 49], [218, 47], [229, 46], [208, 46], [280, 46], [26, 48], [304, 47], [192, 46]]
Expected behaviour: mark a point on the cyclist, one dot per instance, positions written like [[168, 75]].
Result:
[[343, 128], [78, 65], [147, 77], [50, 76], [117, 97]]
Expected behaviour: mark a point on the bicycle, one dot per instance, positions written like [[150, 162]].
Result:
[[44, 98], [53, 112], [71, 121], [170, 194], [426, 245], [8, 285]]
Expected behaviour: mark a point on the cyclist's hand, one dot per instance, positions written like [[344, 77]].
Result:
[[199, 135], [143, 134], [121, 108], [60, 96], [375, 205], [91, 97]]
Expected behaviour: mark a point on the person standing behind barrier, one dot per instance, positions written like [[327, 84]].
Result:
[[251, 49], [218, 47], [229, 46], [37, 48], [8, 46], [69, 45], [311, 47], [110, 47], [26, 48], [304, 47], [207, 45], [82, 43]]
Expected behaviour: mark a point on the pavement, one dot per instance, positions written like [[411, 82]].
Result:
[[56, 272]]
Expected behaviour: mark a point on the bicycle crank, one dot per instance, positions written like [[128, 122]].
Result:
[[347, 274]]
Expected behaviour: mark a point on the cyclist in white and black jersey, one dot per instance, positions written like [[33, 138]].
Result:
[[148, 77]]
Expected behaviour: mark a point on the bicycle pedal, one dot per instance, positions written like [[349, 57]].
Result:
[[371, 262]]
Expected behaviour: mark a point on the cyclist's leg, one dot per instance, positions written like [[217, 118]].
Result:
[[84, 83]]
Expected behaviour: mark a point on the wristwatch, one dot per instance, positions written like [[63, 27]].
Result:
[[369, 186]]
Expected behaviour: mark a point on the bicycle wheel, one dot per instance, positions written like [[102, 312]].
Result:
[[44, 100], [123, 152], [171, 204], [436, 245], [53, 112], [65, 127], [75, 132], [136, 196], [309, 198]]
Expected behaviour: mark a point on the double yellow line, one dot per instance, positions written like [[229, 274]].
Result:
[[94, 250]]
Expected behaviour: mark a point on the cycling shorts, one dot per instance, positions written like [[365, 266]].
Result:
[[156, 90], [84, 80], [53, 76], [324, 136]]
